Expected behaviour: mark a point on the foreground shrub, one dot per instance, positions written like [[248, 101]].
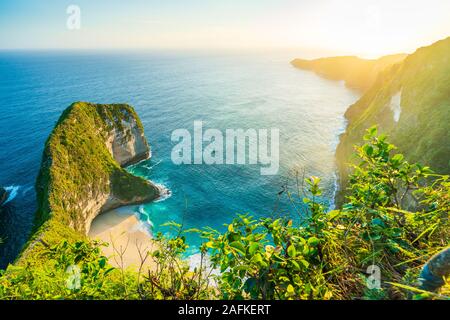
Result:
[[395, 217]]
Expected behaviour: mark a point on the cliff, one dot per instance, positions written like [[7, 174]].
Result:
[[82, 172], [356, 72], [410, 102]]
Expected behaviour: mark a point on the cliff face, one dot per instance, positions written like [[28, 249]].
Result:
[[410, 102], [356, 72], [82, 171], [128, 146]]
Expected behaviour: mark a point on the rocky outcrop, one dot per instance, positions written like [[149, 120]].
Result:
[[3, 195], [435, 271], [356, 72], [82, 172]]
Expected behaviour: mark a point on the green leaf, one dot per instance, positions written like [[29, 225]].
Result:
[[305, 263], [108, 270], [333, 214], [257, 258], [377, 222], [291, 251], [238, 246], [254, 246], [290, 289], [241, 268], [368, 149], [397, 158], [102, 262], [373, 131], [295, 264], [305, 250], [209, 244], [313, 241]]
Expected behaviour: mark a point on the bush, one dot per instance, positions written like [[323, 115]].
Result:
[[395, 217]]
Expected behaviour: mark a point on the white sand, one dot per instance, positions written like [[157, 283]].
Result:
[[125, 234]]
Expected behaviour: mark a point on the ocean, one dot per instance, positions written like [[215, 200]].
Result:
[[171, 90]]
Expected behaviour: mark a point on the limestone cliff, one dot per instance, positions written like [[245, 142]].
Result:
[[410, 102], [356, 72], [128, 146], [82, 171]]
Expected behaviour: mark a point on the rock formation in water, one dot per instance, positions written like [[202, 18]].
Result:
[[82, 171], [356, 72], [410, 102]]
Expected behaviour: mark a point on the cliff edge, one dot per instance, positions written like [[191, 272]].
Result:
[[410, 102], [82, 172]]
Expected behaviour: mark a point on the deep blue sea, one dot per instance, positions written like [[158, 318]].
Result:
[[170, 90]]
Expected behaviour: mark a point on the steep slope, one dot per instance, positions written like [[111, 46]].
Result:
[[356, 72], [81, 174], [410, 102]]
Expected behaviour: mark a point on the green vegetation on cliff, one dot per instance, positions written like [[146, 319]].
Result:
[[79, 176], [356, 72], [411, 103]]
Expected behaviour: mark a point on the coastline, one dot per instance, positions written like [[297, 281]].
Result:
[[336, 173], [127, 237]]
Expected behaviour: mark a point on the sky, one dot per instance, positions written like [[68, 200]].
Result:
[[368, 28]]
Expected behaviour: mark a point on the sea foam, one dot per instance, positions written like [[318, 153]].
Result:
[[12, 192]]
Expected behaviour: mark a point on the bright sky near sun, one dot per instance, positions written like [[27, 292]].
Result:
[[365, 27]]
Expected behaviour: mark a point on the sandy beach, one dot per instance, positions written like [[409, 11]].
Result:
[[124, 233]]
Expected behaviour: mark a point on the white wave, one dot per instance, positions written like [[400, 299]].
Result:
[[144, 218], [139, 163], [151, 167], [141, 210], [12, 192], [143, 215], [340, 131], [146, 226], [164, 192], [335, 143]]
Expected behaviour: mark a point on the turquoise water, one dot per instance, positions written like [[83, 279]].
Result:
[[169, 91]]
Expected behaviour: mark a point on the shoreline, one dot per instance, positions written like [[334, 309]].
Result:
[[127, 237], [336, 173]]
